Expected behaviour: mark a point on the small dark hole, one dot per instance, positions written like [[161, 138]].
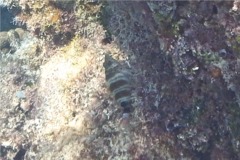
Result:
[[170, 126], [214, 9], [74, 114], [106, 40], [20, 155], [189, 52]]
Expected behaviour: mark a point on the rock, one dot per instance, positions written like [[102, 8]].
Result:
[[64, 5], [20, 33], [25, 105], [21, 94], [10, 41], [4, 42]]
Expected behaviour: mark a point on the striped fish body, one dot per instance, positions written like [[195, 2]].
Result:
[[118, 82]]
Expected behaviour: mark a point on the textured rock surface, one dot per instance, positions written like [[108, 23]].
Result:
[[184, 58]]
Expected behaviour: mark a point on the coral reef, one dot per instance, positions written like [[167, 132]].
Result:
[[184, 61], [19, 72], [183, 58]]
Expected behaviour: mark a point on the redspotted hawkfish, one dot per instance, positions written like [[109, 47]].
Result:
[[118, 83]]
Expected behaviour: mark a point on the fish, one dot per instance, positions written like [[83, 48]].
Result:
[[118, 82]]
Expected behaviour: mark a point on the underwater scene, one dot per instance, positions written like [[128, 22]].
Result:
[[119, 80]]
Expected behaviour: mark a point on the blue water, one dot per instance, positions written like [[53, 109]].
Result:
[[6, 19]]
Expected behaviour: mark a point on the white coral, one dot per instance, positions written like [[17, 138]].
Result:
[[236, 5], [3, 3]]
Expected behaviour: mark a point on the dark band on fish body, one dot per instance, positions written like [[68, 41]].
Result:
[[110, 74], [127, 109], [122, 94], [120, 89], [116, 84]]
